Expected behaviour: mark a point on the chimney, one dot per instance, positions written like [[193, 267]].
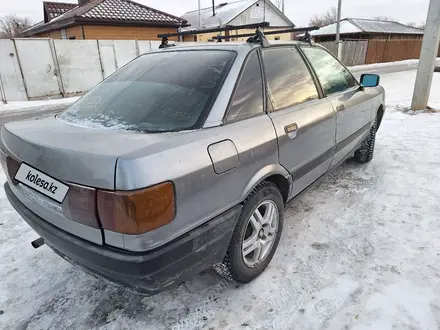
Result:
[[82, 2]]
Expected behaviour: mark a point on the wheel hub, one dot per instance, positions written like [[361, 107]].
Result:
[[260, 233]]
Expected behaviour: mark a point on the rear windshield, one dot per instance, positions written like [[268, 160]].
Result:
[[159, 92]]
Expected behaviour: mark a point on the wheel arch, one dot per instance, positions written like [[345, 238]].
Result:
[[380, 113], [274, 173]]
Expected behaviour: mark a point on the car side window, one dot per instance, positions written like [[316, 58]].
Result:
[[334, 77], [289, 80], [248, 99]]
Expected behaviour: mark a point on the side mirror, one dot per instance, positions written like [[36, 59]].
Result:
[[370, 80]]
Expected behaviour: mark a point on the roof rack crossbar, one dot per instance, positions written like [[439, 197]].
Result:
[[223, 29], [259, 36], [306, 29]]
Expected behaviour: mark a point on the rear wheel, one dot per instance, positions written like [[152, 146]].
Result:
[[365, 153], [257, 234]]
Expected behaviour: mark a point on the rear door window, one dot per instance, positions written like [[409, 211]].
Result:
[[289, 80], [159, 92]]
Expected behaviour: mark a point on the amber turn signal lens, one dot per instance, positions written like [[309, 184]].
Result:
[[136, 212]]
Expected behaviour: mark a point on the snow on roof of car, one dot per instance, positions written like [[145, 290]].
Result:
[[359, 25]]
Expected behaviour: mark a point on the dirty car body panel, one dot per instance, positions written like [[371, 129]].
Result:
[[213, 155]]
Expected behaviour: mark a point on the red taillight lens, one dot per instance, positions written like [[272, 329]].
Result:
[[136, 212], [80, 205]]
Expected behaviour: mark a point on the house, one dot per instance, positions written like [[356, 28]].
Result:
[[103, 19], [367, 29], [236, 13]]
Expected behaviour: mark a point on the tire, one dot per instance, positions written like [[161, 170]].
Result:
[[244, 265], [365, 153]]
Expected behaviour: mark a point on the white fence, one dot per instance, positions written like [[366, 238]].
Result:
[[33, 69]]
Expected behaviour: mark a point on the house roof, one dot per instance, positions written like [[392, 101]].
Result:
[[224, 13], [360, 25], [111, 12], [55, 9]]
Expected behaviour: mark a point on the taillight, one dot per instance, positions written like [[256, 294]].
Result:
[[136, 212], [80, 205]]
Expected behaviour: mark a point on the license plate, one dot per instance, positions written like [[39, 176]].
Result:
[[41, 182]]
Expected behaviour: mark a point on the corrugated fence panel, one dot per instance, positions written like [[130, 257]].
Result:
[[11, 79], [331, 46], [354, 52], [79, 64]]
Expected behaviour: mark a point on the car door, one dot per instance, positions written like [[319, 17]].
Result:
[[304, 122], [352, 104]]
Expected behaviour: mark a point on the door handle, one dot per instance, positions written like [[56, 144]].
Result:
[[340, 108], [291, 130]]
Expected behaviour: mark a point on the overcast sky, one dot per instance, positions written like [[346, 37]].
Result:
[[299, 11]]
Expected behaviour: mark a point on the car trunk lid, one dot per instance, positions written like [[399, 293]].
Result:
[[69, 152], [84, 159]]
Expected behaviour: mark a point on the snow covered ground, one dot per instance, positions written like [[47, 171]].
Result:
[[360, 250], [21, 106]]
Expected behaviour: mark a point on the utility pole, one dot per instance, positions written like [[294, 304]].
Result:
[[338, 31], [200, 15], [213, 7], [428, 55], [282, 6]]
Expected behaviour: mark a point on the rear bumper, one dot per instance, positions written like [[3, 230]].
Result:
[[150, 272]]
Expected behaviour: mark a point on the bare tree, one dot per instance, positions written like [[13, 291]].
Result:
[[384, 18], [11, 26], [329, 17], [414, 24]]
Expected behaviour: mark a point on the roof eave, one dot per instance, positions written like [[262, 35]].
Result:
[[365, 32], [101, 21], [50, 26]]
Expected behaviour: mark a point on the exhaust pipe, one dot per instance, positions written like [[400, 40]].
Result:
[[38, 243]]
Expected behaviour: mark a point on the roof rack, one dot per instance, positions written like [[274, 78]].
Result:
[[219, 29], [260, 37]]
